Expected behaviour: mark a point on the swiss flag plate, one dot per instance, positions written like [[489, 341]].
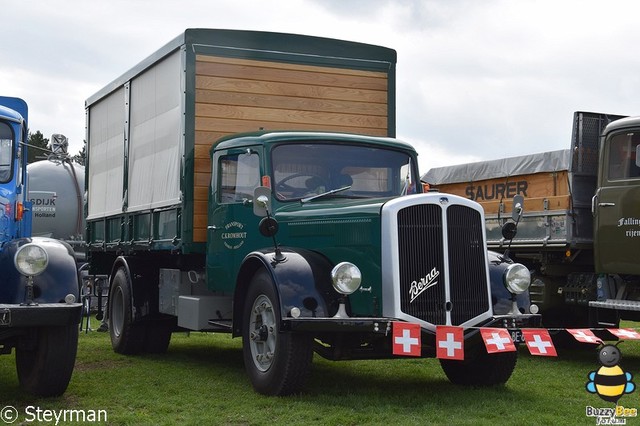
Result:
[[624, 333], [497, 340], [584, 335], [406, 339], [449, 342], [539, 342]]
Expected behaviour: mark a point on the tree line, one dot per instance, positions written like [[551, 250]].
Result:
[[38, 147]]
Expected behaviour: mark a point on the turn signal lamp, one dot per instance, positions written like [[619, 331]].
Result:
[[19, 211]]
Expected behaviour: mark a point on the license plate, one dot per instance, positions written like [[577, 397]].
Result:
[[516, 336]]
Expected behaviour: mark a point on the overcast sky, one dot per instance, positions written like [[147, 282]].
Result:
[[477, 79]]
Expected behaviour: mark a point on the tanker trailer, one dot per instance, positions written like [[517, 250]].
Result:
[[56, 189]]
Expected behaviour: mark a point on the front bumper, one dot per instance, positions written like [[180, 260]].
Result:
[[39, 315], [383, 325]]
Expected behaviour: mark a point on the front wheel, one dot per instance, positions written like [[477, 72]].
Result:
[[481, 369], [277, 363], [45, 362]]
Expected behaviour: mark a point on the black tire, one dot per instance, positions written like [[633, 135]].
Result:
[[45, 364], [482, 369], [277, 363], [126, 337], [157, 338]]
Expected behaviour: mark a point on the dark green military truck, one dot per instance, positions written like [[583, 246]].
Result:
[[312, 234]]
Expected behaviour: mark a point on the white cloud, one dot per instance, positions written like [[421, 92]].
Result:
[[475, 80]]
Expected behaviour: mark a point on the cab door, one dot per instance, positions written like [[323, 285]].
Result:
[[616, 206], [233, 228]]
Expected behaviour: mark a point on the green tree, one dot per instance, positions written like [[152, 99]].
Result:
[[81, 156], [38, 147]]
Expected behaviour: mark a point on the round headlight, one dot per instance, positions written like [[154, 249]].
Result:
[[31, 259], [517, 278], [346, 277]]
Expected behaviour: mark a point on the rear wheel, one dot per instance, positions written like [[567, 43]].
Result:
[[126, 337], [45, 362], [157, 337], [277, 363], [481, 369]]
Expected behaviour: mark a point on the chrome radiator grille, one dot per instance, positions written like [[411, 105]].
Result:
[[442, 263]]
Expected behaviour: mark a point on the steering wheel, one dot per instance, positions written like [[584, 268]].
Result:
[[295, 191]]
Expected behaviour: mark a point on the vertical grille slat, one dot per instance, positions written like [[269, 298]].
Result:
[[421, 240]]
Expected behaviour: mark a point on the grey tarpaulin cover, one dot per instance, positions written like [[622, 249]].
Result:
[[525, 164]]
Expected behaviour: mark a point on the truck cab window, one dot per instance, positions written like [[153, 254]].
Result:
[[239, 176], [307, 169], [622, 156], [6, 150]]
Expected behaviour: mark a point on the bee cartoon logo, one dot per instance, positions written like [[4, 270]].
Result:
[[610, 381]]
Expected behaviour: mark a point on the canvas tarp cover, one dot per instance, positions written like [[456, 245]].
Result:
[[155, 147], [550, 161], [105, 156]]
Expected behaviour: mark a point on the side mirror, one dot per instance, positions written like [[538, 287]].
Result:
[[509, 231], [268, 226], [518, 207], [262, 201]]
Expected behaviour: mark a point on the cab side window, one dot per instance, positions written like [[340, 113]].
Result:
[[622, 157], [6, 152], [239, 176]]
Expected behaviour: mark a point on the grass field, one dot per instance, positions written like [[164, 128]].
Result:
[[201, 380]]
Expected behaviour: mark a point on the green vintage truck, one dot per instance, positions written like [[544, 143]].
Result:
[[248, 183]]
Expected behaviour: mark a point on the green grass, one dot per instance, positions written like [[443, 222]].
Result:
[[201, 380]]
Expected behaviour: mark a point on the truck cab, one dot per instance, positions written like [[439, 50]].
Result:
[[616, 208], [39, 309], [341, 180], [616, 212]]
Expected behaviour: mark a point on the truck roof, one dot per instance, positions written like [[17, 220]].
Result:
[[265, 137], [622, 123], [9, 114], [14, 109], [549, 161], [240, 43]]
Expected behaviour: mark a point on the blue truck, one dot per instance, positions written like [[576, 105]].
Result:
[[39, 284]]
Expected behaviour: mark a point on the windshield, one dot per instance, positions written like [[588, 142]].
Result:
[[6, 151], [359, 171]]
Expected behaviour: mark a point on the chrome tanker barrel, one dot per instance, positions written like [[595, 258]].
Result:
[[56, 189]]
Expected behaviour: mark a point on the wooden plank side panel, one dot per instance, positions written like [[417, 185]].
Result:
[[284, 65], [320, 76], [292, 116], [239, 95], [335, 100], [301, 91], [536, 185]]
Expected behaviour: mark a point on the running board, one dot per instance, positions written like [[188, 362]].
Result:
[[221, 325]]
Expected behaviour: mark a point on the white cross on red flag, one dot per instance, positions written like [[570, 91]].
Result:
[[406, 339], [539, 342], [624, 333], [449, 342], [497, 340], [584, 335]]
